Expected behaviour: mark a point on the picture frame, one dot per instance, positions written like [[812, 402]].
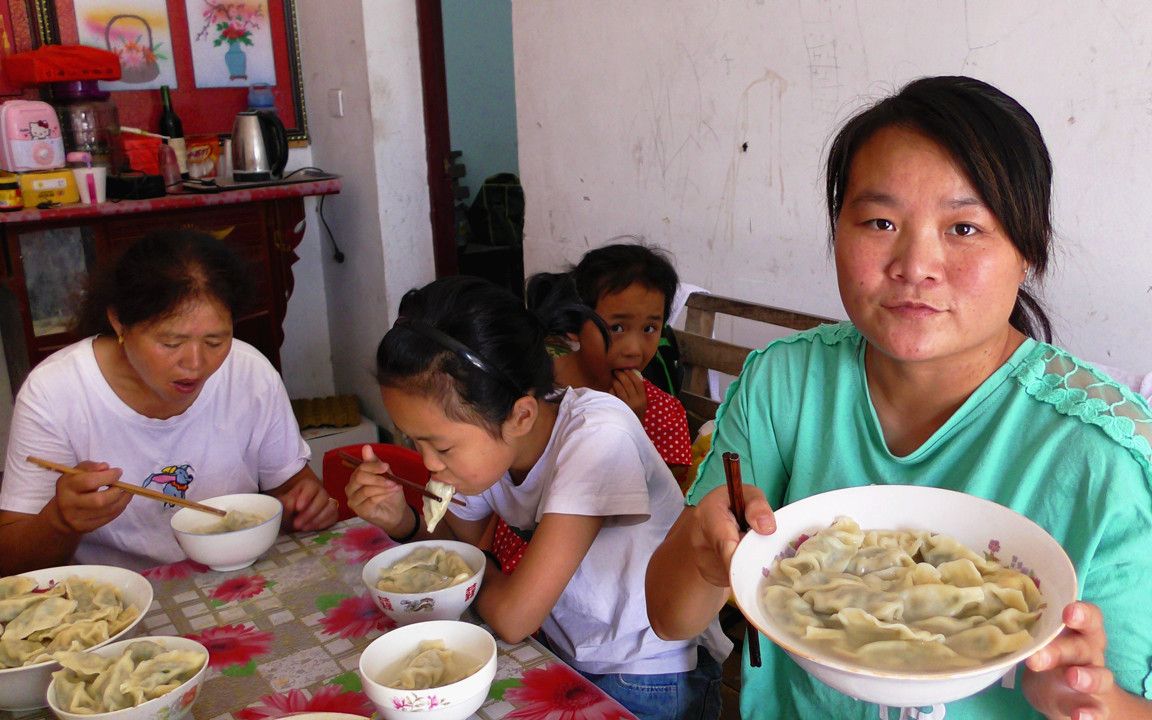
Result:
[[203, 111]]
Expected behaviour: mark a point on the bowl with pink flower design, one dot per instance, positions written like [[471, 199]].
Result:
[[436, 670]]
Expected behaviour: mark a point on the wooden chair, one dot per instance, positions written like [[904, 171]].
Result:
[[699, 352]]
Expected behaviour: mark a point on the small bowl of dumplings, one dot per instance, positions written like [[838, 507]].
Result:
[[438, 670], [425, 580], [151, 678], [234, 541], [903, 596], [63, 609]]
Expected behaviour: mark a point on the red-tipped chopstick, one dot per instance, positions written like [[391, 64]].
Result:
[[353, 462], [736, 501]]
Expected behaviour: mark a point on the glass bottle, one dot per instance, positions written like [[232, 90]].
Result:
[[169, 168], [171, 126]]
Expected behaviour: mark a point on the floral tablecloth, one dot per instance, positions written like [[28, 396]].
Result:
[[285, 636]]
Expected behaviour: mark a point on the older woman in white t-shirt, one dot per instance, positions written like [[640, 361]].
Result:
[[159, 395]]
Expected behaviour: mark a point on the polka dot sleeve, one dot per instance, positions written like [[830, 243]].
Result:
[[666, 424]]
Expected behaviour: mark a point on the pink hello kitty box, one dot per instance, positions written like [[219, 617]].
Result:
[[30, 137]]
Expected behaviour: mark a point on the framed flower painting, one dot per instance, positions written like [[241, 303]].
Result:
[[210, 52]]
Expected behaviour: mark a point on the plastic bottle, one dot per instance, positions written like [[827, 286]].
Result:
[[171, 126], [169, 168]]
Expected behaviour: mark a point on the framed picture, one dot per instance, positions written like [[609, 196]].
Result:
[[192, 46]]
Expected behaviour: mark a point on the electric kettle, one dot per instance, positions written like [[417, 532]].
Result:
[[259, 147]]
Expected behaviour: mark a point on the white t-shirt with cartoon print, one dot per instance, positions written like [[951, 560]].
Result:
[[599, 462], [239, 436]]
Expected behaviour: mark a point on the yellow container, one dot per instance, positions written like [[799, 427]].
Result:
[[11, 197], [49, 186]]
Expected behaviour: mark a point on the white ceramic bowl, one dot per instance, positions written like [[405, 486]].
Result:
[[382, 660], [973, 521], [447, 604], [24, 688], [229, 550], [173, 705]]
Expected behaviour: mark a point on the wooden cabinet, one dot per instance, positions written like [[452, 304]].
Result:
[[48, 254]]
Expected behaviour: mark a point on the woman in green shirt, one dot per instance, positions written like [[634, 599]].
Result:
[[939, 202]]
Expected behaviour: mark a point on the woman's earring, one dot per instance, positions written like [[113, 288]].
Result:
[[120, 339]]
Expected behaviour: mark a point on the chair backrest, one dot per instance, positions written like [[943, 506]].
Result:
[[404, 462], [699, 352]]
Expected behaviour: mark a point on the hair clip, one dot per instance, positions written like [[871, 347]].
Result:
[[448, 342]]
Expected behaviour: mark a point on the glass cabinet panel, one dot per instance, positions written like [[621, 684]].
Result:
[[56, 263]]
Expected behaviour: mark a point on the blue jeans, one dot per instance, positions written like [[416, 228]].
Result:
[[691, 695]]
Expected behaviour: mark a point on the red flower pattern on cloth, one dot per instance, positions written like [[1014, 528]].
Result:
[[240, 588], [361, 544], [233, 644], [174, 571], [331, 698], [557, 692], [355, 617], [666, 425]]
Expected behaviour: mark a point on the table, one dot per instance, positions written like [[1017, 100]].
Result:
[[285, 635]]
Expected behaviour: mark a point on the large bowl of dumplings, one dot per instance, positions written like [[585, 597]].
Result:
[[150, 678], [63, 609], [425, 580], [234, 541], [438, 670], [904, 596]]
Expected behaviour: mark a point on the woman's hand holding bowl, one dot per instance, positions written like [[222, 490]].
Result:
[[1069, 678]]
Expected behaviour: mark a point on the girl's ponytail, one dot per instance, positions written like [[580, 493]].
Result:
[[553, 298]]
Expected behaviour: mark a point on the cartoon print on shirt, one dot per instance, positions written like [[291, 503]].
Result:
[[174, 478]]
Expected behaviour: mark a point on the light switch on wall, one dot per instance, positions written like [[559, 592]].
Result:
[[336, 102]]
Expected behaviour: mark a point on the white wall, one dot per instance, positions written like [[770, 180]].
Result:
[[368, 49], [481, 86], [632, 117], [306, 354]]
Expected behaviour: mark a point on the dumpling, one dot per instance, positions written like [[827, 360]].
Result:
[[38, 616], [434, 510], [423, 570], [432, 665], [16, 585], [14, 653]]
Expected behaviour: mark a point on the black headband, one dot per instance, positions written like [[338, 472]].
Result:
[[446, 341]]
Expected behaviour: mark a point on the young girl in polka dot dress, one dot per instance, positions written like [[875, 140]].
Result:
[[631, 287]]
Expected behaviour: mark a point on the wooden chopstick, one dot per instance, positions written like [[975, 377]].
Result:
[[353, 462], [736, 501], [135, 490]]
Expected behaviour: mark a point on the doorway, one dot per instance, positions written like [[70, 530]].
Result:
[[470, 120]]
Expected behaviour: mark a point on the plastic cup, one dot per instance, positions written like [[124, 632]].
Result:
[[92, 183]]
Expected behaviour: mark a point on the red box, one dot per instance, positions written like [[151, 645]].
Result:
[[61, 63], [143, 152]]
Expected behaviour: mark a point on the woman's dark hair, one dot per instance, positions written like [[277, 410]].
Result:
[[160, 272], [472, 345], [1000, 148], [613, 268]]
